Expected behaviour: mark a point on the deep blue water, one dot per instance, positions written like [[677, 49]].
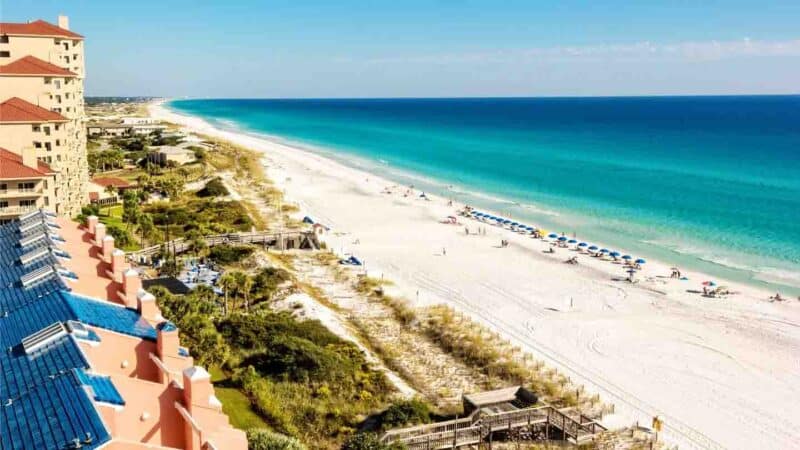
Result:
[[712, 183]]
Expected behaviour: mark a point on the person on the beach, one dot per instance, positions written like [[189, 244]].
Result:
[[466, 231], [444, 251]]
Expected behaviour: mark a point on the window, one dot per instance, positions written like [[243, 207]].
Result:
[[3, 204], [27, 203], [58, 84], [47, 131], [47, 80], [66, 45], [67, 58], [5, 54], [4, 39], [25, 187], [37, 145], [3, 187], [36, 128], [48, 146], [47, 201], [58, 127], [44, 183]]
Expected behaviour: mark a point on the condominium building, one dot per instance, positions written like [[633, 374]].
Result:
[[26, 184], [42, 106], [88, 361]]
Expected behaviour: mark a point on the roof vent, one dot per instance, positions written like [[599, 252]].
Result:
[[24, 242], [37, 275], [30, 215], [33, 255], [43, 337], [77, 328]]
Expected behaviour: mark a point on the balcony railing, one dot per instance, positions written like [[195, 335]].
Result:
[[16, 210], [24, 192]]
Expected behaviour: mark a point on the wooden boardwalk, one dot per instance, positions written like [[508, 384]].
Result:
[[269, 239], [480, 427]]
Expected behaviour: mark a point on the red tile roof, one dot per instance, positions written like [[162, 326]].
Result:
[[16, 109], [36, 28], [111, 181], [31, 65], [11, 167]]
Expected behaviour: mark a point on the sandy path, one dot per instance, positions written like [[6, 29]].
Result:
[[722, 373]]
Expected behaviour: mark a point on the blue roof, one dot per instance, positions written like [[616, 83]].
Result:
[[110, 316], [51, 417], [44, 402], [102, 388]]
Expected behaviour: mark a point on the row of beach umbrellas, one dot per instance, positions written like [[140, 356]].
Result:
[[562, 239]]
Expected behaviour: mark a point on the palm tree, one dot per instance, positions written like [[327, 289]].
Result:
[[247, 286], [227, 282]]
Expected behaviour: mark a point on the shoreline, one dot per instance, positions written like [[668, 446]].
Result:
[[741, 265], [581, 322]]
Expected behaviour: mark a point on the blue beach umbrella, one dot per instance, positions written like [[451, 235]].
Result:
[[640, 261], [603, 250], [552, 235], [562, 239], [626, 257], [514, 223], [583, 244], [614, 254], [530, 228], [572, 241], [594, 247], [506, 221]]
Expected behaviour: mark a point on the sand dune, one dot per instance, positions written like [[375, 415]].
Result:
[[722, 373]]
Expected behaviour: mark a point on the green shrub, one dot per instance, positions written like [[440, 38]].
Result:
[[229, 254], [262, 439], [214, 188], [406, 413], [368, 441], [121, 237]]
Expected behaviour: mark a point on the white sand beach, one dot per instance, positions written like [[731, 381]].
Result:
[[722, 373]]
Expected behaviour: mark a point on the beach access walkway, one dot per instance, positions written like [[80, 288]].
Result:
[[303, 240], [480, 427]]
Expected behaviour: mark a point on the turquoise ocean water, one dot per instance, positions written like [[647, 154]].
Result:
[[708, 183]]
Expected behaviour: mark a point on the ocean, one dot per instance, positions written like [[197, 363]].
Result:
[[707, 183]]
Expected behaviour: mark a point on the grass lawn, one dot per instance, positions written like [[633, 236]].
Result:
[[234, 403], [112, 215]]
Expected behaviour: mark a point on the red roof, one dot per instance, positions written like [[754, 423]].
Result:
[[11, 167], [111, 181], [16, 109], [36, 28], [31, 65]]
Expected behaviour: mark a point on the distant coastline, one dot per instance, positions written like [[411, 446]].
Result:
[[766, 272]]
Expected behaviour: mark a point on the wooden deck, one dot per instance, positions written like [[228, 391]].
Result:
[[287, 240], [479, 427]]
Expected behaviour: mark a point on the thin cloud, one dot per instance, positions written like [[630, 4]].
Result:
[[640, 51]]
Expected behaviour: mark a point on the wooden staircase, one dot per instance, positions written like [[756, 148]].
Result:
[[480, 427]]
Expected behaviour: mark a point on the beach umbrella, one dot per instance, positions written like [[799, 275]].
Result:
[[709, 283], [614, 254], [506, 221], [631, 271], [626, 257], [593, 247], [583, 244], [562, 239], [572, 241], [514, 223], [603, 250], [640, 261], [552, 235], [530, 228]]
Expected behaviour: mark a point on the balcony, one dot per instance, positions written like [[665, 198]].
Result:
[[21, 193], [17, 210]]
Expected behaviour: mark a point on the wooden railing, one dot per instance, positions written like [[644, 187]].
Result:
[[476, 427], [267, 238]]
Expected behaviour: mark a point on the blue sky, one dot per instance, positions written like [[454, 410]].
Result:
[[250, 48]]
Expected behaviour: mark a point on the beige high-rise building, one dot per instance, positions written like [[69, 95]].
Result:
[[42, 108]]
